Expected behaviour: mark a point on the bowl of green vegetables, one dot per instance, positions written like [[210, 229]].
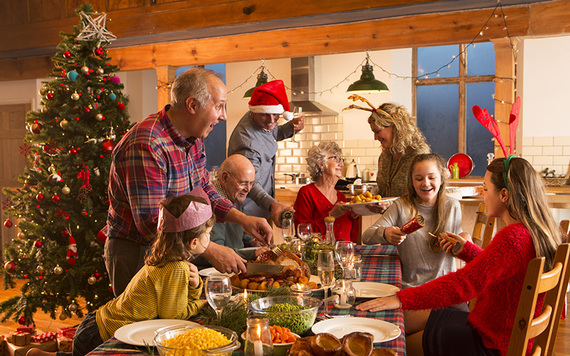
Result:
[[297, 313]]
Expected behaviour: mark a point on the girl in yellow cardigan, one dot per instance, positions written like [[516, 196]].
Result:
[[167, 287]]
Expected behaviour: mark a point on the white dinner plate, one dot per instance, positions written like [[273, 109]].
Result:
[[374, 289], [382, 330], [361, 208], [142, 332], [206, 272]]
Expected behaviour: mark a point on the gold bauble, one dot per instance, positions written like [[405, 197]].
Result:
[[40, 269], [72, 307], [63, 124], [58, 270], [65, 190], [62, 316], [74, 96], [85, 70], [91, 280], [100, 71]]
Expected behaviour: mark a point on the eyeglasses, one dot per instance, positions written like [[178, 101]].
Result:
[[336, 158], [243, 184]]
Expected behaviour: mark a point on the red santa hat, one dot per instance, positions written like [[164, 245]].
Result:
[[270, 98]]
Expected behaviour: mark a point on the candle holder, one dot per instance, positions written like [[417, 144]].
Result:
[[258, 337], [346, 294]]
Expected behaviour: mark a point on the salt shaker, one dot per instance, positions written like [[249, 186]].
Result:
[[258, 337]]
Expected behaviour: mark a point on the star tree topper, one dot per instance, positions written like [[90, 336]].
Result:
[[94, 29]]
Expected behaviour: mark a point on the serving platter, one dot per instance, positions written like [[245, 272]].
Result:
[[206, 272], [361, 208], [313, 278], [142, 333], [381, 330]]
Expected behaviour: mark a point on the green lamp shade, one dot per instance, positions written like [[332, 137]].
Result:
[[367, 84], [261, 79]]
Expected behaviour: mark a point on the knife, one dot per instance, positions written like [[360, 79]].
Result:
[[261, 268]]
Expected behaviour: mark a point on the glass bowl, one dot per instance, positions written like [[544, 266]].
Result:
[[171, 331], [299, 321]]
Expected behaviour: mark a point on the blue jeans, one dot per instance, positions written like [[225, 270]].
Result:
[[86, 338]]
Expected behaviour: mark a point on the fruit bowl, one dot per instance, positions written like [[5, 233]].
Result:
[[296, 313], [163, 335]]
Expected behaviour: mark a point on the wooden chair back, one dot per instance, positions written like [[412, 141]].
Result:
[[564, 227], [544, 327], [484, 227]]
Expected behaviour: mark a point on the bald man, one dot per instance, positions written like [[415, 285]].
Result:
[[236, 176]]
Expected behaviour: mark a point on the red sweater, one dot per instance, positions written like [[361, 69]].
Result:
[[494, 275], [312, 207]]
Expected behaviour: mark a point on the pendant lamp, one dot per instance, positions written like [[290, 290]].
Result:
[[261, 79], [367, 84]]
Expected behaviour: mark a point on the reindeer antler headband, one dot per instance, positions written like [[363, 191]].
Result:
[[482, 115], [373, 110]]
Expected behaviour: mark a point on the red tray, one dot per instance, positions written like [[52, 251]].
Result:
[[464, 162]]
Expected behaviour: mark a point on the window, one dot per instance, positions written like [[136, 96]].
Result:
[[445, 92]]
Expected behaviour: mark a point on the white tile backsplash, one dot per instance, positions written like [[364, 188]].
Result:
[[548, 152]]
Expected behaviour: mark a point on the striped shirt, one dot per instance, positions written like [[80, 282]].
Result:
[[150, 163], [153, 293]]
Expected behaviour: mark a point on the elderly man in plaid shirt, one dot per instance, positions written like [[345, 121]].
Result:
[[163, 156]]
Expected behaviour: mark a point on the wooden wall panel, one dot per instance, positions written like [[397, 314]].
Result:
[[124, 4], [550, 18], [45, 10], [13, 12], [72, 5]]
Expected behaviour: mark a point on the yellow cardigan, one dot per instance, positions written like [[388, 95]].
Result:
[[153, 293]]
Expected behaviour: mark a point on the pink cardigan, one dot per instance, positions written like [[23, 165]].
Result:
[[494, 275]]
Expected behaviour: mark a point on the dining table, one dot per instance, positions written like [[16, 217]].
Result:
[[380, 263]]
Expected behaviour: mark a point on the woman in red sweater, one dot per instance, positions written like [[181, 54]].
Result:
[[514, 192], [318, 200]]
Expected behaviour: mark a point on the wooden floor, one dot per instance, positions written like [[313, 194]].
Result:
[[45, 323]]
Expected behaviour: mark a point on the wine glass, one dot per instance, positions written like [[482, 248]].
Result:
[[288, 228], [297, 112], [344, 252], [305, 231], [218, 293], [325, 269]]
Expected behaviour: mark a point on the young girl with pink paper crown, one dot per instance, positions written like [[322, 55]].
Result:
[[167, 287]]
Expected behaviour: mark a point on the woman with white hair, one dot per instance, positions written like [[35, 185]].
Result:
[[320, 199]]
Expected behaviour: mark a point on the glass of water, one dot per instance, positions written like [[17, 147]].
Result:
[[218, 293]]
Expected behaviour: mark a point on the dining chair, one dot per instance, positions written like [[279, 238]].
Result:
[[564, 227], [544, 327], [484, 227]]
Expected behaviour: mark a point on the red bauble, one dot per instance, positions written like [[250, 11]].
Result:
[[10, 267], [86, 109], [73, 151], [65, 233], [67, 54], [40, 197], [55, 198], [22, 321], [99, 51], [49, 96], [108, 146], [101, 236], [97, 275], [38, 244], [121, 106], [7, 224]]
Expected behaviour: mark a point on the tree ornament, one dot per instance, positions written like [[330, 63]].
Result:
[[85, 70], [40, 197], [38, 244], [62, 316], [51, 148], [55, 198], [35, 128], [55, 177], [10, 267], [57, 270], [67, 54], [75, 96], [97, 275], [100, 71], [72, 307], [49, 96], [51, 168], [21, 235], [94, 29], [7, 224], [121, 106], [44, 109], [86, 109], [108, 146], [72, 254], [43, 91], [65, 233], [65, 190], [63, 123], [72, 75], [115, 79], [99, 117], [40, 269], [113, 96], [73, 151], [91, 280], [101, 236], [99, 51], [22, 321]]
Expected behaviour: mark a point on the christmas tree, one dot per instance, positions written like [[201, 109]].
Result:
[[63, 203]]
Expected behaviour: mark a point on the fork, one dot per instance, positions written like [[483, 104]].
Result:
[[277, 250]]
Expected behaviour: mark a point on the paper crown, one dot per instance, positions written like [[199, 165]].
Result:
[[270, 98], [195, 215]]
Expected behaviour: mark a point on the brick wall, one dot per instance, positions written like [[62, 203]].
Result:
[[548, 152]]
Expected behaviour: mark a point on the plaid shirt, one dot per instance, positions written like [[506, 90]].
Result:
[[153, 162]]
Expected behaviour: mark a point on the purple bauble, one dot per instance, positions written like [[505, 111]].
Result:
[[115, 79]]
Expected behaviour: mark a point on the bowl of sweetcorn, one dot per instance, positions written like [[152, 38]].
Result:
[[190, 340]]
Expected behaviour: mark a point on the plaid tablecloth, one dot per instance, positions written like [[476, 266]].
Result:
[[379, 264]]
